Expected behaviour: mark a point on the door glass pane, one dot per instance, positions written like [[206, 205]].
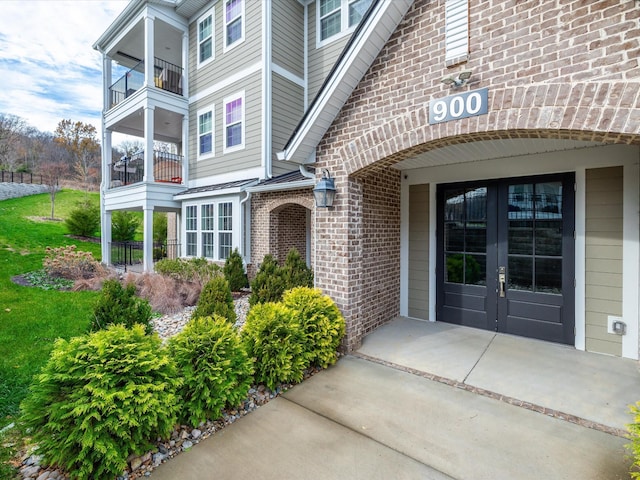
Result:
[[548, 200], [454, 237], [549, 237], [454, 268], [521, 201], [476, 237], [521, 237], [475, 270], [476, 204], [520, 273], [549, 275]]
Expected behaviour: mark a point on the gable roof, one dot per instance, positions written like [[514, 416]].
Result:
[[372, 34]]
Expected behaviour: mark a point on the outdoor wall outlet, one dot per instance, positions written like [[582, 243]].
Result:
[[615, 325]]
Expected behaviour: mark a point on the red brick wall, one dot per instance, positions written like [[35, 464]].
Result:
[[553, 69]]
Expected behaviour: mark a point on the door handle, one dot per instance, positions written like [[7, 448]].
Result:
[[502, 280]]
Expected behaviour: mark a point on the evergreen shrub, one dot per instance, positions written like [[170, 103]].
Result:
[[322, 324], [274, 340], [216, 369], [120, 305], [295, 271], [188, 270], [100, 398], [634, 436], [234, 271], [216, 298], [83, 220], [268, 285], [124, 226]]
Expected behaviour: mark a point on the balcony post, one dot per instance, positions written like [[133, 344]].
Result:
[[149, 54], [184, 148], [106, 82], [148, 144], [105, 236], [185, 63], [147, 235]]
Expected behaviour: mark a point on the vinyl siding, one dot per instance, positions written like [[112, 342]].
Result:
[[288, 36], [287, 109], [250, 156], [419, 251], [322, 59], [227, 63], [604, 197]]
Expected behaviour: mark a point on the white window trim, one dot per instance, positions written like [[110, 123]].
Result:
[[202, 111], [235, 226], [220, 231], [209, 13], [211, 231], [345, 29], [227, 100], [225, 47]]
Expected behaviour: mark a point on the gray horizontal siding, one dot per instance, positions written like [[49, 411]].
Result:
[[322, 59], [287, 109], [288, 35], [250, 156], [419, 251], [226, 64]]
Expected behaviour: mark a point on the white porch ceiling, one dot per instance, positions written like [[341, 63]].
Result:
[[490, 149]]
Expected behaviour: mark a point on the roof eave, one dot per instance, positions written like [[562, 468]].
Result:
[[279, 187], [351, 67]]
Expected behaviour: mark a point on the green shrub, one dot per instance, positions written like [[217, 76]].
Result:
[[160, 227], [84, 220], [295, 271], [234, 271], [216, 298], [100, 398], [119, 305], [214, 365], [268, 285], [274, 340], [124, 226], [634, 436], [188, 270], [322, 324]]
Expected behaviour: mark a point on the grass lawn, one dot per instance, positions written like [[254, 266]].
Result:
[[31, 318]]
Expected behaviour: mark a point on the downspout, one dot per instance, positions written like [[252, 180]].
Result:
[[267, 114], [246, 228], [306, 173]]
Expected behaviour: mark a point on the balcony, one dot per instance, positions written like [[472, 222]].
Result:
[[167, 168], [167, 76]]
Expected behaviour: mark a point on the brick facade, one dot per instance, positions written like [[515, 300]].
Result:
[[278, 223], [560, 70]]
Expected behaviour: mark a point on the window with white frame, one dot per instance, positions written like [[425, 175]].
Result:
[[225, 227], [234, 123], [191, 220], [233, 22], [456, 31], [209, 229], [205, 132], [338, 16], [205, 38], [207, 220]]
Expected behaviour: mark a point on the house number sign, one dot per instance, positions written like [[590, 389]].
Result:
[[461, 105]]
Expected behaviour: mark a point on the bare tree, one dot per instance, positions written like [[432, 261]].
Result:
[[51, 173], [79, 139], [11, 127]]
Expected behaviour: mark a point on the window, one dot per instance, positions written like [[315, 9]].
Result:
[[205, 132], [234, 123], [233, 24], [456, 31], [208, 234], [205, 38], [192, 227], [339, 16], [225, 226], [209, 229]]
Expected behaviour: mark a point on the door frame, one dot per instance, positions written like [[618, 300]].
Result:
[[496, 189]]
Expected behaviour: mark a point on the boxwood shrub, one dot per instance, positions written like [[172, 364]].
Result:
[[100, 398], [216, 369], [275, 341]]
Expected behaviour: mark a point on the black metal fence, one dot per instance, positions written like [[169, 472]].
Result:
[[132, 253], [19, 177]]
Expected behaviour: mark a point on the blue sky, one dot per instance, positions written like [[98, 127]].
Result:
[[48, 68]]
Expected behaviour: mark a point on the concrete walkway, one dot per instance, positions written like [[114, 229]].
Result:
[[362, 419]]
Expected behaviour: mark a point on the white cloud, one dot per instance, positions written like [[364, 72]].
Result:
[[48, 68]]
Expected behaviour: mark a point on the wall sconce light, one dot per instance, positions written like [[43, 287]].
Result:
[[325, 190], [455, 82]]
